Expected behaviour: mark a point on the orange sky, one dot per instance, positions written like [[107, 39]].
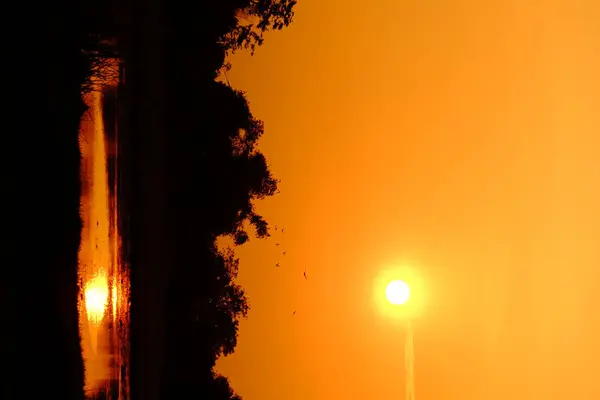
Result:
[[460, 136]]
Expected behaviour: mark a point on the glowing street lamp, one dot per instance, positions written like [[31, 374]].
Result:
[[399, 296], [397, 292]]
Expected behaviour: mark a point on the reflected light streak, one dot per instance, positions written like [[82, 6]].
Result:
[[96, 297], [103, 280]]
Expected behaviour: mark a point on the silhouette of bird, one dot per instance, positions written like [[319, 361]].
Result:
[[276, 244], [294, 313], [276, 227], [277, 265], [282, 230], [284, 253], [305, 277]]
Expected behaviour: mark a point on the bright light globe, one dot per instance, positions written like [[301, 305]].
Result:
[[397, 292]]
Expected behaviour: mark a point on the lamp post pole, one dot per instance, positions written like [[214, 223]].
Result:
[[398, 293], [409, 362]]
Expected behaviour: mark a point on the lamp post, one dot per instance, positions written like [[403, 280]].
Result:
[[409, 362], [398, 294]]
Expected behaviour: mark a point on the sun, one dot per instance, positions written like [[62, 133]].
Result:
[[397, 292]]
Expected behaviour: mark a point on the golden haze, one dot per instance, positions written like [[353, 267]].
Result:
[[461, 135]]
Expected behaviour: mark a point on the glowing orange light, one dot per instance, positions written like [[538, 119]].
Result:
[[96, 296], [399, 293]]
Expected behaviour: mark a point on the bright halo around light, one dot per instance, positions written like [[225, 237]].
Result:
[[397, 292]]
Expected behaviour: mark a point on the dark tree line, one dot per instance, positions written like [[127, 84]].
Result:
[[216, 174]]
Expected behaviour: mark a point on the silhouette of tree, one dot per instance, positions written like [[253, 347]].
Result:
[[216, 174], [221, 159], [221, 389], [204, 309], [215, 28], [254, 19]]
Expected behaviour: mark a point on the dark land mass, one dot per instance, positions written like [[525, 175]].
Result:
[[195, 178], [47, 356], [189, 172]]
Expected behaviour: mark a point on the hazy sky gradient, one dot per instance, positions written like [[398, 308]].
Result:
[[462, 136]]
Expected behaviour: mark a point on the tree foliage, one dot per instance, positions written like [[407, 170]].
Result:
[[256, 18], [220, 157], [221, 389], [216, 173]]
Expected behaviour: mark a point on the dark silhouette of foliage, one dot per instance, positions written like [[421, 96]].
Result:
[[216, 174], [215, 28], [254, 20], [205, 306], [220, 389], [228, 164]]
